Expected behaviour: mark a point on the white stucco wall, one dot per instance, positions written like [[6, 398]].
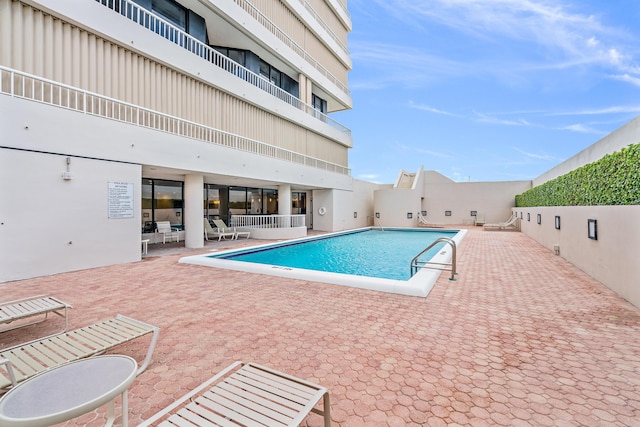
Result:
[[615, 141], [340, 207], [49, 225], [436, 194], [610, 259], [494, 200]]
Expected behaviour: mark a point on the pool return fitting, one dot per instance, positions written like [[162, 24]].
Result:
[[449, 266]]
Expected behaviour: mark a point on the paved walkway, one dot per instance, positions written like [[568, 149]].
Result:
[[522, 338]]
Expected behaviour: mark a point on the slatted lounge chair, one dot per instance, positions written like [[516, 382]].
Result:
[[246, 394], [38, 307], [213, 232], [222, 226], [164, 228], [26, 360], [422, 222], [510, 224]]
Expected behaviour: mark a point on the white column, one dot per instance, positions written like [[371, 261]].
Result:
[[193, 213], [284, 199]]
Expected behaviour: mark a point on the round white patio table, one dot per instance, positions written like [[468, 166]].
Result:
[[68, 391]]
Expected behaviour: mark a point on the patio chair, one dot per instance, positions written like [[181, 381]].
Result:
[[164, 228], [222, 226], [26, 360], [510, 224], [37, 307], [422, 222], [479, 220], [246, 394], [213, 232]]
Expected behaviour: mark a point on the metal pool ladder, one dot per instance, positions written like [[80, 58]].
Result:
[[417, 264]]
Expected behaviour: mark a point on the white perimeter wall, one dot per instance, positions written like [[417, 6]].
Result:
[[612, 259], [49, 225], [340, 206], [615, 141], [437, 194]]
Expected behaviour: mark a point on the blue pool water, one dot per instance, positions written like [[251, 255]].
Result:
[[372, 253]]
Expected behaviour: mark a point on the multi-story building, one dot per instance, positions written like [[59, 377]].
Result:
[[116, 114]]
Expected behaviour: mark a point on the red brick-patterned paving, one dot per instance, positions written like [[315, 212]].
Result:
[[522, 338]]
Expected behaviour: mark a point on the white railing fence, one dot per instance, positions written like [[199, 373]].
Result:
[[26, 86], [267, 221]]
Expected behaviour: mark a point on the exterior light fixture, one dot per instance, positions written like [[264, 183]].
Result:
[[529, 216], [447, 213], [423, 213], [592, 229], [355, 214], [539, 219], [377, 214], [474, 213], [557, 222], [409, 215]]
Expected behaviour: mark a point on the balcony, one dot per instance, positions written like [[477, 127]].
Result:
[[17, 84], [165, 29]]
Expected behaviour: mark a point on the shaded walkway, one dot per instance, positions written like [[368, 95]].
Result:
[[522, 338]]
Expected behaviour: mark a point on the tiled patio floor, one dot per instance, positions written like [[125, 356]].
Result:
[[522, 338]]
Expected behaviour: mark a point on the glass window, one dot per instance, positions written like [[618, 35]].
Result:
[[319, 103], [212, 204], [275, 76], [147, 206], [172, 12], [237, 56], [161, 201], [264, 69], [270, 202], [168, 201], [254, 201], [237, 201]]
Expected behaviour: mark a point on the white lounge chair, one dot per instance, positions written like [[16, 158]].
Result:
[[213, 232], [26, 360], [479, 220], [222, 226], [246, 394], [39, 307], [164, 228], [510, 224], [422, 222]]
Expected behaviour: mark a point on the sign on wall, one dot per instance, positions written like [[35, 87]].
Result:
[[120, 200]]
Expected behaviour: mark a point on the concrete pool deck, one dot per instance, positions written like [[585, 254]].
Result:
[[522, 338]]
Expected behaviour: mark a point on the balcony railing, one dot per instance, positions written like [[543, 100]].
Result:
[[267, 221], [324, 25], [175, 35], [26, 86]]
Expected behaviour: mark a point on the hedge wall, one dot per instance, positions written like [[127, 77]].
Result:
[[612, 180]]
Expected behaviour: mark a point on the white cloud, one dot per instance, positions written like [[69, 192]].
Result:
[[370, 176], [615, 109], [545, 157], [581, 128], [429, 109], [629, 79], [553, 32], [431, 153], [483, 118]]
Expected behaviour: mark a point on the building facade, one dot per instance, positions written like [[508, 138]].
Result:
[[116, 114]]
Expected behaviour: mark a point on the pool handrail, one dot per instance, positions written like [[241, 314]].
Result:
[[417, 264]]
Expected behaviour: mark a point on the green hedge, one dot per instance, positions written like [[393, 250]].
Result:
[[612, 180]]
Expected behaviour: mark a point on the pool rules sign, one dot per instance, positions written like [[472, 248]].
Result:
[[120, 200]]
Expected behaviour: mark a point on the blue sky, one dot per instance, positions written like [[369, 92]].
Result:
[[487, 90]]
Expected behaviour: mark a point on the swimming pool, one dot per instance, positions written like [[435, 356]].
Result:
[[365, 258]]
